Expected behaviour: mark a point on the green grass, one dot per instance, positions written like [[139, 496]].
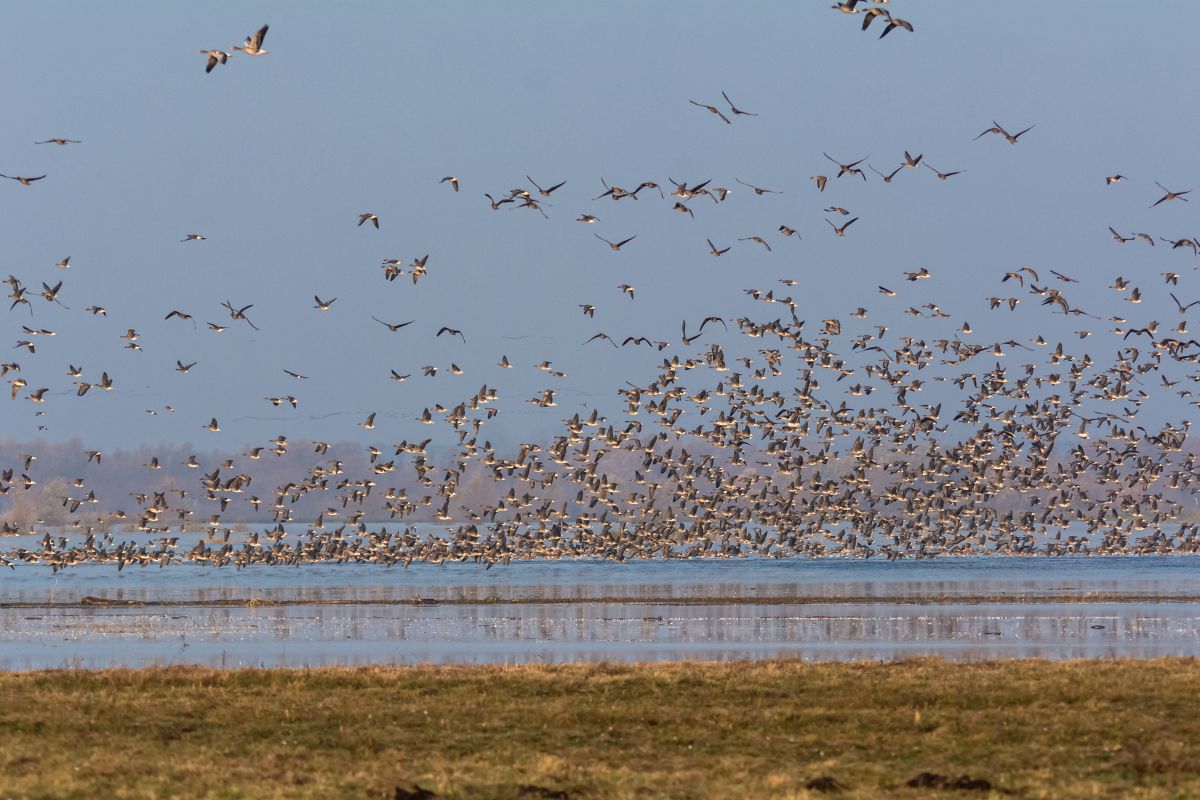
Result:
[[1031, 729]]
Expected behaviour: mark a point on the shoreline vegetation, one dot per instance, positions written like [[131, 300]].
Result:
[[1073, 598], [768, 729]]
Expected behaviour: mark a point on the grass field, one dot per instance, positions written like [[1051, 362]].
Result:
[[1030, 729]]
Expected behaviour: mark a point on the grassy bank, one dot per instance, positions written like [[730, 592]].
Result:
[[763, 729]]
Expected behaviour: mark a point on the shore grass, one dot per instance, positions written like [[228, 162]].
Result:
[[766, 729]]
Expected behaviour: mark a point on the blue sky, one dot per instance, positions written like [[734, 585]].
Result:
[[365, 107]]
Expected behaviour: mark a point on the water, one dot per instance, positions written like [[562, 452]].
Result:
[[968, 608]]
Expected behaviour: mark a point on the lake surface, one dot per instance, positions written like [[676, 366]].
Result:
[[965, 608]]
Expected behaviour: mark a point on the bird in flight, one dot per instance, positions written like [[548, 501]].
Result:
[[714, 110], [253, 45], [240, 313], [887, 178], [22, 181], [214, 57], [323, 305], [1012, 137], [390, 326], [604, 336], [193, 237], [851, 168], [453, 181], [896, 22], [364, 217], [842, 230], [545, 192], [1168, 196], [60, 142], [758, 190], [757, 239], [943, 175], [452, 332], [615, 247], [712, 248], [736, 111]]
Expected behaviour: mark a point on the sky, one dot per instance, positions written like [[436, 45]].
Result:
[[364, 107]]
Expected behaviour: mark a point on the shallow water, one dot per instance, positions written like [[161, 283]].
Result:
[[320, 635], [829, 610]]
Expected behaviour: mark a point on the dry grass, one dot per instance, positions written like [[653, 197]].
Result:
[[1033, 729]]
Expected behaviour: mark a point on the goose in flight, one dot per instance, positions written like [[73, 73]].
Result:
[[452, 332], [842, 230], [997, 128], [896, 22], [1111, 179], [587, 219], [714, 110], [851, 168], [22, 181], [496, 203], [736, 111], [181, 315], [545, 192], [604, 336], [887, 178], [212, 426], [193, 237], [323, 305], [253, 45], [645, 185], [390, 326], [374, 219], [1168, 196], [712, 248], [214, 57], [943, 175], [60, 142], [757, 239], [240, 313], [616, 248], [450, 179], [758, 190]]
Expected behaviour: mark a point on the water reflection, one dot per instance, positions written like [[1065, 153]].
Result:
[[319, 635], [584, 580]]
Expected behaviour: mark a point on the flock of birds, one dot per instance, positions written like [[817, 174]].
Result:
[[814, 443]]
